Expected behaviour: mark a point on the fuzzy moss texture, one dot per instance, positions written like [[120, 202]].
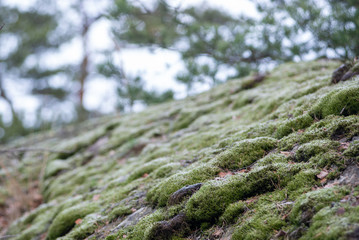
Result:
[[277, 160]]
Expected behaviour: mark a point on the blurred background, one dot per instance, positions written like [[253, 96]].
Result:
[[65, 61]]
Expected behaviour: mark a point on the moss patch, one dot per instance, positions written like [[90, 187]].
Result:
[[66, 219], [342, 101], [245, 152], [248, 159], [213, 198]]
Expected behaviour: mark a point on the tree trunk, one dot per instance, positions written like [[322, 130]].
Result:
[[85, 57], [7, 99]]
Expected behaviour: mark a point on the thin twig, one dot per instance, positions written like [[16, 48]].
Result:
[[8, 236], [341, 112], [45, 157], [1, 27], [14, 150]]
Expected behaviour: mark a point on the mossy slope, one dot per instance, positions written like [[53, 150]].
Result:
[[272, 159]]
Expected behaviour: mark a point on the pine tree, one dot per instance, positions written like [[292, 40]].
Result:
[[333, 26]]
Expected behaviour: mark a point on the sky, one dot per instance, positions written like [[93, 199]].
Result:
[[158, 68]]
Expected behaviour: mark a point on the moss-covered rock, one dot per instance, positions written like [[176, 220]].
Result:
[[268, 159]]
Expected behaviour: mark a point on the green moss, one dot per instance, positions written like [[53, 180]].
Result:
[[68, 148], [117, 192], [245, 152], [111, 237], [56, 166], [272, 158], [310, 203], [80, 179], [161, 192], [327, 159], [355, 68], [306, 151], [34, 224], [353, 150], [302, 182], [232, 212], [244, 100], [331, 127], [65, 220], [124, 134], [166, 170], [269, 213], [178, 238], [257, 153], [147, 168], [251, 82], [293, 125], [214, 197], [186, 118], [342, 101], [88, 226], [197, 140], [262, 224], [328, 223], [119, 211], [142, 230]]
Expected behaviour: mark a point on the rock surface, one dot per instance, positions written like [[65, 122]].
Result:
[[276, 160]]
